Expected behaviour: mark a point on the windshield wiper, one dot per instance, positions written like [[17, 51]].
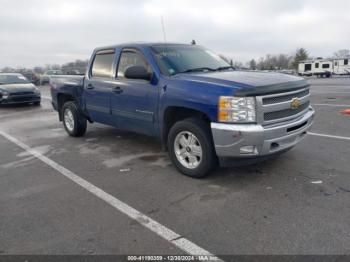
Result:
[[224, 68], [198, 69]]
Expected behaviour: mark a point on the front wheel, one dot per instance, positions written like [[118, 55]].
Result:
[[74, 121], [191, 148]]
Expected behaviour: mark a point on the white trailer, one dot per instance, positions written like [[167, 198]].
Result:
[[341, 66], [324, 67], [305, 68], [317, 67]]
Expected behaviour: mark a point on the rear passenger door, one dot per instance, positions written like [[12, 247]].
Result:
[[134, 101], [98, 86]]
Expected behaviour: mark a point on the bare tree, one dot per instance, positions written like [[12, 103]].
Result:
[[236, 64], [272, 62], [7, 70], [283, 61], [78, 65], [342, 53]]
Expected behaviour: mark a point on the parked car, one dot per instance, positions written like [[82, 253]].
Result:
[[32, 77], [73, 72], [195, 103], [16, 89], [45, 78]]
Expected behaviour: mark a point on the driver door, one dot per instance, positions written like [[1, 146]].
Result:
[[134, 101]]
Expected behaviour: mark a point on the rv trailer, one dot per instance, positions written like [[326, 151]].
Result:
[[317, 67], [324, 67], [341, 66]]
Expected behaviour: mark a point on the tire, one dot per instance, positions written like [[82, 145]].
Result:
[[74, 121], [186, 157], [37, 103]]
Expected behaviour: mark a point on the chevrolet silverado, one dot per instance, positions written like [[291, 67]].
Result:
[[202, 110]]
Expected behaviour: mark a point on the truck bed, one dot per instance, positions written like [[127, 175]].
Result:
[[72, 85], [67, 80]]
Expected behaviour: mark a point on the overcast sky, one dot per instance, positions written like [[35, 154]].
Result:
[[36, 32]]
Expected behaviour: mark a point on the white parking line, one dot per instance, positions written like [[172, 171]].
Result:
[[46, 97], [161, 230], [329, 136], [335, 105]]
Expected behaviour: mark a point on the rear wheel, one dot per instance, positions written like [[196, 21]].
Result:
[[191, 148], [74, 121]]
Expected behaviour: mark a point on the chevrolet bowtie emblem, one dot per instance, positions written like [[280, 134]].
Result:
[[295, 104]]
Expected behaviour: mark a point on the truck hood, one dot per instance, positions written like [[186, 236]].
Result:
[[248, 82], [16, 88]]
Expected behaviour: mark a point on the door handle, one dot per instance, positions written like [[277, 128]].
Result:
[[117, 90], [90, 86]]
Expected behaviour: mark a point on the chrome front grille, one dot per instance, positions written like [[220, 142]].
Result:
[[284, 98], [274, 108], [285, 113]]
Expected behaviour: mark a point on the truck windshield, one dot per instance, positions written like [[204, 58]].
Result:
[[175, 59], [12, 79]]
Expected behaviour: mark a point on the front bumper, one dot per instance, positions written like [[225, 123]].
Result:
[[20, 100], [231, 140]]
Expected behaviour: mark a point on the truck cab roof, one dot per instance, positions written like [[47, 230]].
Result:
[[139, 44]]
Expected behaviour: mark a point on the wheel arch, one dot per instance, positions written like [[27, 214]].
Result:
[[62, 98], [173, 114]]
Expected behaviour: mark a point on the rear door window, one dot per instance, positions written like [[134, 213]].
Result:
[[103, 64]]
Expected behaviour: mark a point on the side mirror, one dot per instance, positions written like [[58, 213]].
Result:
[[137, 72]]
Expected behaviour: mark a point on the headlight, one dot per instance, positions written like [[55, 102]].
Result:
[[36, 90], [4, 94], [236, 109]]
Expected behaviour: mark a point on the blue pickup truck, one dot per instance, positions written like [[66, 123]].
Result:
[[202, 110]]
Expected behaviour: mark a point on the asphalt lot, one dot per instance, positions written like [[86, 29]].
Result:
[[296, 204]]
